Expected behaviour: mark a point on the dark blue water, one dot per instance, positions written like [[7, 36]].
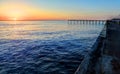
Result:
[[44, 47]]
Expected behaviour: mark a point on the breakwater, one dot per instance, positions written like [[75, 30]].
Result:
[[88, 64], [104, 57]]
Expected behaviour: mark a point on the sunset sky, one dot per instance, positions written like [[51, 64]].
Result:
[[58, 9]]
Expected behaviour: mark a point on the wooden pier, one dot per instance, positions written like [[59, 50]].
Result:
[[86, 21]]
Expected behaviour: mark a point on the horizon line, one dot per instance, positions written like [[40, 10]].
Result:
[[33, 20]]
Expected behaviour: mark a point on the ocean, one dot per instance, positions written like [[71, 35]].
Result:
[[44, 47]]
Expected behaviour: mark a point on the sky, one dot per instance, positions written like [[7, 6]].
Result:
[[58, 9]]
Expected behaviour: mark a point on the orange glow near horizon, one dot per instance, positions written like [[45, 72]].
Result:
[[26, 12], [18, 12], [21, 11]]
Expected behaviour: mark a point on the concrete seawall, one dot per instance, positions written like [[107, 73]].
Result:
[[105, 57], [111, 50]]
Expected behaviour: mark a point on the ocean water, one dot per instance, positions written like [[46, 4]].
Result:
[[44, 47]]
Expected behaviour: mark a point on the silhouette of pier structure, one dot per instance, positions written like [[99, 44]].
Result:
[[86, 21]]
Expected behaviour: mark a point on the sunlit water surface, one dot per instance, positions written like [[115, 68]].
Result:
[[44, 47]]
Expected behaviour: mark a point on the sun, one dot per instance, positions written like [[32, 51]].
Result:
[[17, 12], [14, 19], [14, 13]]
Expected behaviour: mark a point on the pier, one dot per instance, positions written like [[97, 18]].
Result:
[[86, 21]]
